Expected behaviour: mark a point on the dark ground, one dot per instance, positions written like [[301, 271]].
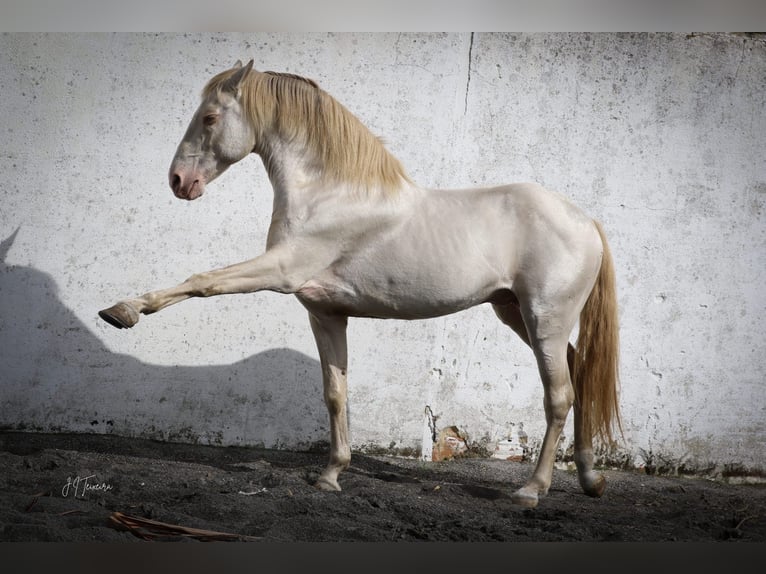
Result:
[[269, 495]]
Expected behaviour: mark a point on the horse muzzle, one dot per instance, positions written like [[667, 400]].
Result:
[[188, 188]]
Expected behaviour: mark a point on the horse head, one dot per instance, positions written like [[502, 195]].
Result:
[[218, 136]]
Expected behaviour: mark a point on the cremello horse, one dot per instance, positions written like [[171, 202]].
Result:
[[352, 236]]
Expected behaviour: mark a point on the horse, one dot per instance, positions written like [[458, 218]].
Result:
[[351, 235]]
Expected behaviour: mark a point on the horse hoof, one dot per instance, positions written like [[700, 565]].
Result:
[[596, 488], [327, 484], [525, 499], [122, 316]]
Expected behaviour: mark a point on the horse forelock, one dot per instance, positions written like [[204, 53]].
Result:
[[296, 107]]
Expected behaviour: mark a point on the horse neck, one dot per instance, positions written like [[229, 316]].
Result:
[[289, 169], [299, 181]]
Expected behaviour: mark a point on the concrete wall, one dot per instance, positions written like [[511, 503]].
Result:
[[661, 137]]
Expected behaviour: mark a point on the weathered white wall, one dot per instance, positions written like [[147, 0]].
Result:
[[661, 137]]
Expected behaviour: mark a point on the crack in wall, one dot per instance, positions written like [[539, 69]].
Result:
[[739, 64], [468, 79]]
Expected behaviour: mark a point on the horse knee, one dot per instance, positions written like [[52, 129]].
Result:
[[335, 395], [335, 402], [200, 285]]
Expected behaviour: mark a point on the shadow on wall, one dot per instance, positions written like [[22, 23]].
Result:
[[57, 376]]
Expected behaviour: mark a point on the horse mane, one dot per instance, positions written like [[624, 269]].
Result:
[[297, 108]]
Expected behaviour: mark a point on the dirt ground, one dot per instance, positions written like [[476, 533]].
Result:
[[268, 495]]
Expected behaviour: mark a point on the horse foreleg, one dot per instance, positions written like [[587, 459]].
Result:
[[266, 272], [330, 334]]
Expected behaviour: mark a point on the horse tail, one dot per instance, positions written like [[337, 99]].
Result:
[[595, 371]]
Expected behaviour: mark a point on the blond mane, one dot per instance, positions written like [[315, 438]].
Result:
[[296, 107]]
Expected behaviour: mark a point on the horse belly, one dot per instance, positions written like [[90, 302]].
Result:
[[434, 262], [391, 297]]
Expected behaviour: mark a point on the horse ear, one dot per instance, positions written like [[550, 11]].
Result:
[[6, 244], [233, 83], [237, 64]]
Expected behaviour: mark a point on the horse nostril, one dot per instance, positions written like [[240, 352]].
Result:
[[175, 182]]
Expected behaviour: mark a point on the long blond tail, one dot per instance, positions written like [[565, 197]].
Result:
[[595, 372]]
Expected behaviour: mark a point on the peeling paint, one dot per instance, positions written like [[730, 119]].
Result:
[[449, 444]]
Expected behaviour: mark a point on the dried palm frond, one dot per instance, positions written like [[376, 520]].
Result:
[[154, 530]]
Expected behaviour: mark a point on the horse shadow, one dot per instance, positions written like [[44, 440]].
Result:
[[57, 376]]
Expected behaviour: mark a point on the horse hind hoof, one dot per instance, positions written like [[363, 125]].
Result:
[[328, 485], [596, 488], [122, 316], [524, 499]]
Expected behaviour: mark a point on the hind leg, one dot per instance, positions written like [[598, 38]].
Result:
[[550, 345], [557, 401], [510, 315], [592, 482]]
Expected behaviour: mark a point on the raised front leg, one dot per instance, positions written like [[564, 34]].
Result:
[[330, 334], [274, 271]]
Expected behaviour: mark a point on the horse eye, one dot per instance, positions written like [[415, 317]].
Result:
[[210, 119]]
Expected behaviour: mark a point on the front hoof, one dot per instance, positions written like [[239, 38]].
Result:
[[122, 316]]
